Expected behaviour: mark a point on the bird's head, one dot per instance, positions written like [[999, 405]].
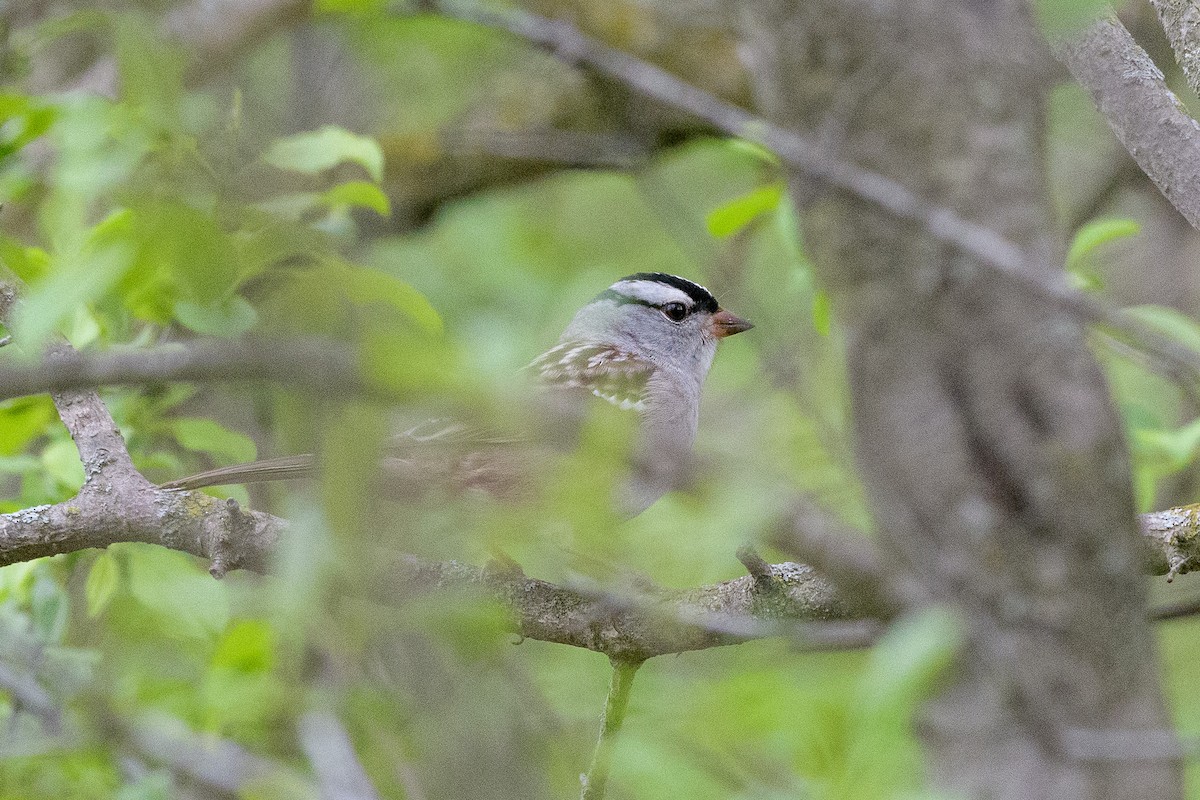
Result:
[[643, 324]]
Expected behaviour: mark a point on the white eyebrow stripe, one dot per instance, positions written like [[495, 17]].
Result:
[[653, 292]]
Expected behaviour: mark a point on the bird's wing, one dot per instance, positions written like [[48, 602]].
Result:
[[606, 371]]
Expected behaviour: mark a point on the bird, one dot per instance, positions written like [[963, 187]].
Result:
[[645, 344]]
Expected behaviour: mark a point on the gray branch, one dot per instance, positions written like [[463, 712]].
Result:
[[219, 763], [1181, 22], [319, 365], [819, 163], [1145, 115], [567, 42], [327, 744], [668, 621]]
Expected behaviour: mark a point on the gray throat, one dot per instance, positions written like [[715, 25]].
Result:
[[663, 453]]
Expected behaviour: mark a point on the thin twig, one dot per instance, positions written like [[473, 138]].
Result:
[[1178, 610], [595, 780], [567, 42]]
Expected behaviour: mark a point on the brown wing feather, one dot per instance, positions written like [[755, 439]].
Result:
[[611, 374]]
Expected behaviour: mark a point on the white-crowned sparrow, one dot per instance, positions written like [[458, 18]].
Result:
[[645, 343]]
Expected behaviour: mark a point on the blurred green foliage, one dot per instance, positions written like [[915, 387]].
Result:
[[172, 212]]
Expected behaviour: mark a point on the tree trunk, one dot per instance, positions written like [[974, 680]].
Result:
[[989, 446]]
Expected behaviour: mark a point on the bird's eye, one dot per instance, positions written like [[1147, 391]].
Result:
[[675, 311]]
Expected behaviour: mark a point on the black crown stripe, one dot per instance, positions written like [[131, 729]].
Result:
[[703, 299]]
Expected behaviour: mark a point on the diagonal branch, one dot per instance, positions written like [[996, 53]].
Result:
[[1180, 20], [1144, 114], [800, 153], [568, 43]]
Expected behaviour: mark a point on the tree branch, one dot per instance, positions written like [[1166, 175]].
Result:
[[215, 762], [327, 744], [1145, 115], [319, 365], [817, 162], [1179, 19], [667, 621], [568, 43]]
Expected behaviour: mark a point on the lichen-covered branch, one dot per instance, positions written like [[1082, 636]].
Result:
[[668, 621]]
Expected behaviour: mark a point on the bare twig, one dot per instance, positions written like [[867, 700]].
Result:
[[843, 554], [576, 148], [26, 694], [1179, 610], [107, 467]]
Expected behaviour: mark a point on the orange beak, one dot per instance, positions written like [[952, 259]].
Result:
[[726, 324]]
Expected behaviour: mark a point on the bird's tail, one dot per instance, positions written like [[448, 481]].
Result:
[[282, 468]]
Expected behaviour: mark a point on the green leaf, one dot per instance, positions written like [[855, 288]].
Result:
[[735, 215], [229, 317], [16, 581], [248, 646], [753, 149], [61, 460], [24, 120], [75, 279], [186, 601], [358, 193], [328, 299], [822, 313], [292, 206], [209, 436], [1064, 17], [1177, 447], [152, 786], [1170, 323], [101, 584], [188, 246], [367, 286], [350, 6], [906, 663], [50, 607], [30, 264], [22, 420], [1085, 280], [1096, 233], [317, 151]]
